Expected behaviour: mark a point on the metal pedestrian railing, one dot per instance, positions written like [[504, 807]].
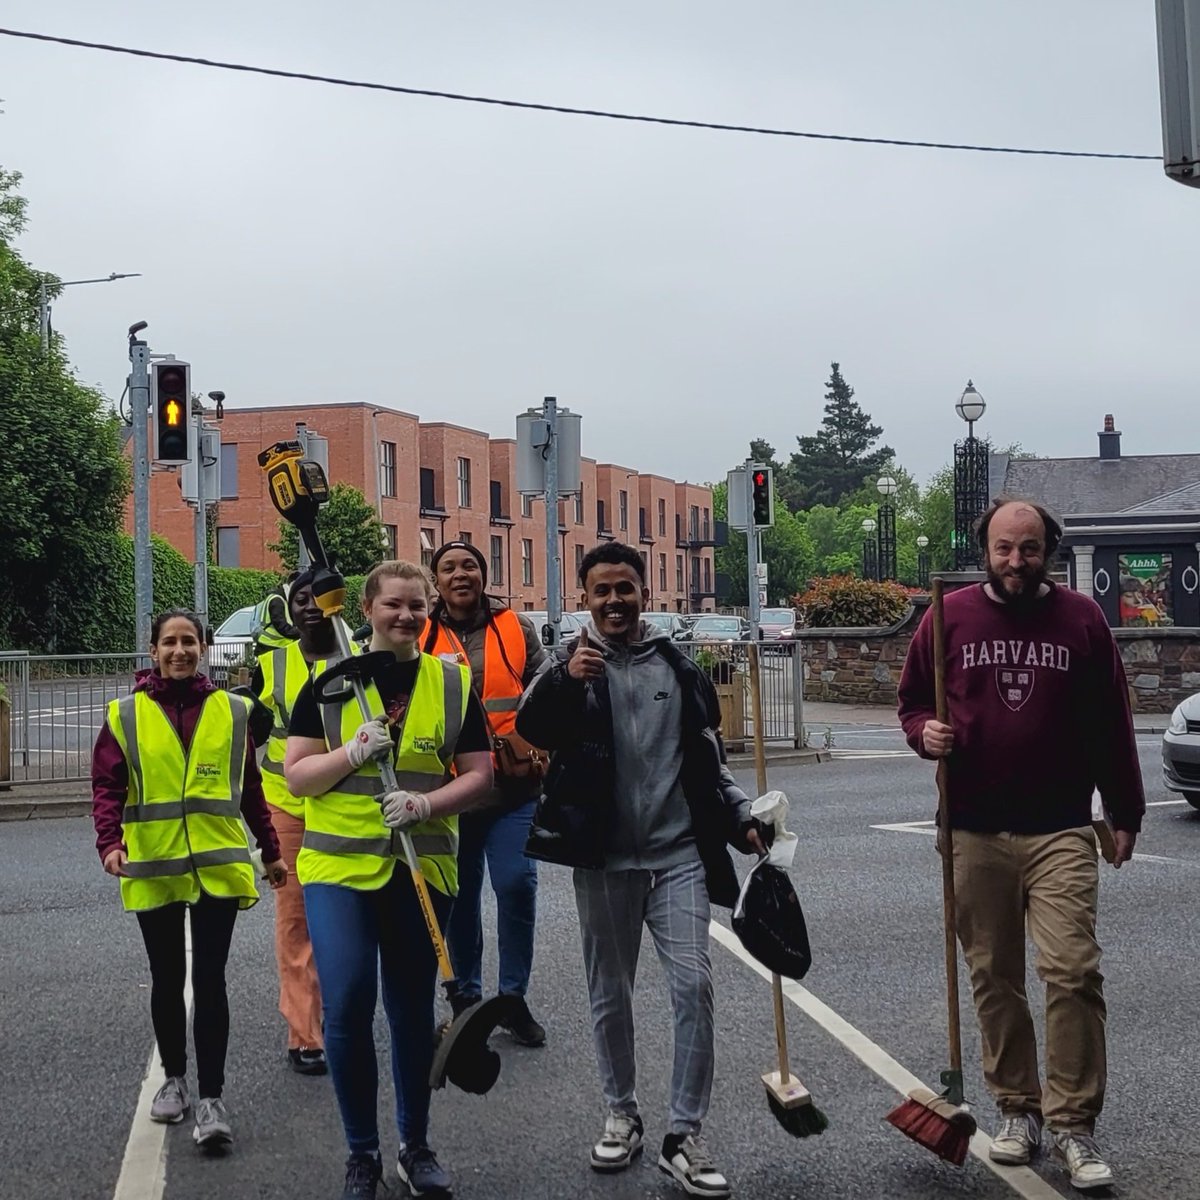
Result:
[[54, 707]]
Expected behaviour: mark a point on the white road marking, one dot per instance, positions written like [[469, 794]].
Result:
[[144, 1168], [1163, 803], [848, 755], [1026, 1183]]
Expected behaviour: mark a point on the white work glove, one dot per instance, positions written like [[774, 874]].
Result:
[[771, 809], [370, 740], [402, 810]]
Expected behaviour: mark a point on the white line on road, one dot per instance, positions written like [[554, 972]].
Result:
[[144, 1168], [851, 755], [1026, 1183], [1163, 803]]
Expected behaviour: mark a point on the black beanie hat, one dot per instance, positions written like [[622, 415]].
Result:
[[474, 551]]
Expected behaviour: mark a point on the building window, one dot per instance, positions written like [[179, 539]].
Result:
[[496, 491], [464, 536], [662, 518], [496, 567], [526, 505], [643, 528], [707, 576], [527, 561], [387, 469], [389, 541], [623, 509], [679, 572], [662, 572], [229, 546], [707, 526], [427, 544], [579, 507], [694, 523], [578, 560], [601, 523], [428, 490], [464, 483], [1145, 593], [229, 470]]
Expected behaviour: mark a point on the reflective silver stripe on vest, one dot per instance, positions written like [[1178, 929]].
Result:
[[331, 718], [279, 669], [271, 767], [237, 754], [127, 716], [173, 810], [454, 709], [503, 704], [183, 866], [426, 845]]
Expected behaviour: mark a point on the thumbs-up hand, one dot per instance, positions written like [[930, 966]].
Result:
[[586, 662]]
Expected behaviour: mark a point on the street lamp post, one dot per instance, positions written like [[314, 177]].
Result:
[[922, 561], [44, 299], [887, 486], [970, 479], [870, 550]]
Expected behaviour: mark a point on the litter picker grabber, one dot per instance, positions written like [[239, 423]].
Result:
[[790, 1101], [942, 1123], [298, 488]]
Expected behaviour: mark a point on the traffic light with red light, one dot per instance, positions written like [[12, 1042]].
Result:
[[171, 402], [762, 514]]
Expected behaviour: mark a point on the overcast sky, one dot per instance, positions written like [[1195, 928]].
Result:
[[685, 290]]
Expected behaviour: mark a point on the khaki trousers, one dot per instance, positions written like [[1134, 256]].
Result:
[[299, 991], [1006, 883]]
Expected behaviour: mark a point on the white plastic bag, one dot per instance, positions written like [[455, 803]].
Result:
[[771, 808]]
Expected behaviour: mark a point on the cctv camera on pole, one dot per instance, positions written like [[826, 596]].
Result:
[[1179, 84]]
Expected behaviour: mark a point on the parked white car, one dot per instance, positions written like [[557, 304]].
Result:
[[232, 645], [1181, 751]]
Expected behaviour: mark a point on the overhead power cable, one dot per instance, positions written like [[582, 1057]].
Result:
[[565, 110]]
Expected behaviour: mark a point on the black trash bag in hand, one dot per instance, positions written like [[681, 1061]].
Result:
[[770, 923]]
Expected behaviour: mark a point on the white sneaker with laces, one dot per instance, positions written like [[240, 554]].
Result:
[[170, 1103], [1082, 1157], [692, 1167], [621, 1143], [1018, 1139], [212, 1124]]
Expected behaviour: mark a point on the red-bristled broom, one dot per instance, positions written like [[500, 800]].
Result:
[[942, 1123]]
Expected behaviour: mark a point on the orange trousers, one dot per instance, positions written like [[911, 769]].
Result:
[[299, 991]]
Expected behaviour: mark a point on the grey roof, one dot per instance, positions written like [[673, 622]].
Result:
[[1185, 499], [1070, 486]]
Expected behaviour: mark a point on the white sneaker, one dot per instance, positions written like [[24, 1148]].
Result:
[[621, 1143], [692, 1167], [170, 1103], [1081, 1156], [1019, 1137]]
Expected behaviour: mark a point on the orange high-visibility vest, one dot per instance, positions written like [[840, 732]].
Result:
[[501, 688]]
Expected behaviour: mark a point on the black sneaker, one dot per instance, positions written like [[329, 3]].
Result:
[[308, 1062], [521, 1026], [421, 1172], [363, 1173]]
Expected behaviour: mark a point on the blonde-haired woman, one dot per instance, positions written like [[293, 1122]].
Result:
[[363, 914]]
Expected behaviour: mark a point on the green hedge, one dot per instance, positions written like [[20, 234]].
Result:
[[231, 588]]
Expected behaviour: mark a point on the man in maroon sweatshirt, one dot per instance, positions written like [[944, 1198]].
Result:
[[1039, 720]]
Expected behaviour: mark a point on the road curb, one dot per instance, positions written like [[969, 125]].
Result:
[[23, 809], [781, 758]]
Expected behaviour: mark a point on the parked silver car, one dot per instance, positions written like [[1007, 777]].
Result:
[[232, 646], [1181, 751]]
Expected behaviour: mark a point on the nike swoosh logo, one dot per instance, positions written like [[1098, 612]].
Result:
[[661, 695]]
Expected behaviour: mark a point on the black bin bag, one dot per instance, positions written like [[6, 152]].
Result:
[[770, 923]]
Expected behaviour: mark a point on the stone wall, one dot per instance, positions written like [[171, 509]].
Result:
[[862, 666]]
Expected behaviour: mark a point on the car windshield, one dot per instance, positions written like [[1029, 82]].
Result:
[[238, 625], [661, 619], [777, 616], [717, 625], [571, 621]]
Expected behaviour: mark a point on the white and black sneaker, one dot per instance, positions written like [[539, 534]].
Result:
[[620, 1144], [688, 1160], [1017, 1140], [1081, 1156]]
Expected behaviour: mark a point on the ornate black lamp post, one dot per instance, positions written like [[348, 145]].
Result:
[[970, 480], [922, 561], [870, 550], [887, 527]]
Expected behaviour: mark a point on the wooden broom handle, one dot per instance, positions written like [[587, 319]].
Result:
[[947, 834], [760, 771]]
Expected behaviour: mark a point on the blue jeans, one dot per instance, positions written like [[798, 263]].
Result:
[[497, 837], [356, 936]]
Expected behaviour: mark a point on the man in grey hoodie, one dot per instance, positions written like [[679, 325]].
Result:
[[640, 801]]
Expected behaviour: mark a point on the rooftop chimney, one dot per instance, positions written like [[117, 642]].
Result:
[[1110, 441]]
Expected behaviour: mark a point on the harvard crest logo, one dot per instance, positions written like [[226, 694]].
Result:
[[1015, 687]]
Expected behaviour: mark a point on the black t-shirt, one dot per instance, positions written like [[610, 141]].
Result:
[[395, 684]]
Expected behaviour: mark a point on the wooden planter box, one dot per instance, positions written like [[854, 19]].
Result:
[[732, 698]]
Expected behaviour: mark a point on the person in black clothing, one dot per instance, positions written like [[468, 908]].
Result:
[[639, 800]]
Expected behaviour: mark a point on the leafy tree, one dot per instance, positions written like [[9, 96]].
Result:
[[350, 532], [833, 463], [63, 480]]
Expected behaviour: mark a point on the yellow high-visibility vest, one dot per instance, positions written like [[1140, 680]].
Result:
[[345, 839], [285, 671], [182, 822]]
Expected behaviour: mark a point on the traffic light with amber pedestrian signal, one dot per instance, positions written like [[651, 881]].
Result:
[[762, 509], [171, 403]]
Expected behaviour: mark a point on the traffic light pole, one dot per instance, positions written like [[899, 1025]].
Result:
[[143, 563], [201, 523], [751, 554], [550, 495]]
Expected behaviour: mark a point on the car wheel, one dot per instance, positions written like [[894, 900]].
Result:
[[1193, 798]]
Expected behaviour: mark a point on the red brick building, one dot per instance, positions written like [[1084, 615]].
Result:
[[432, 482]]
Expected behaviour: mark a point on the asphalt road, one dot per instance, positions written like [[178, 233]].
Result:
[[76, 1029]]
